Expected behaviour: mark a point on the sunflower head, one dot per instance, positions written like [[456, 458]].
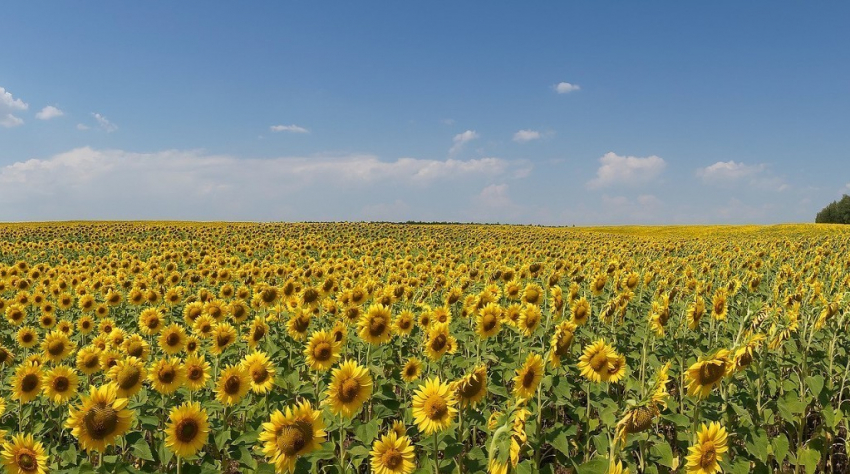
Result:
[[24, 455], [187, 429], [434, 406], [350, 387]]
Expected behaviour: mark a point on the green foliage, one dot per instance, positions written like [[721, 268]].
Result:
[[836, 212]]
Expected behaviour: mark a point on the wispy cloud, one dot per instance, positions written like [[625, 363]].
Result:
[[627, 170], [289, 128], [103, 123], [9, 105], [462, 138], [757, 176], [523, 136]]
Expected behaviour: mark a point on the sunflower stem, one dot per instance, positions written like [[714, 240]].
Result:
[[178, 465], [436, 458]]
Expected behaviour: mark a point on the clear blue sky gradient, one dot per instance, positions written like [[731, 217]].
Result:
[[763, 84]]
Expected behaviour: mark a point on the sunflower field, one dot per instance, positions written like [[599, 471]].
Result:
[[396, 349]]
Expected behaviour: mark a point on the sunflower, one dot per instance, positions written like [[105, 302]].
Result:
[[439, 341], [704, 375], [489, 321], [60, 384], [150, 321], [85, 324], [376, 325], [109, 358], [659, 390], [403, 323], [471, 388], [616, 367], [298, 324], [26, 383], [533, 294], [57, 346], [580, 312], [290, 435], [529, 319], [6, 356], [708, 451], [192, 344], [528, 376], [616, 467], [232, 385], [719, 305], [412, 369], [745, 354], [128, 375], [561, 342], [197, 372], [393, 454], [167, 375], [595, 362], [172, 339], [223, 335], [434, 406], [136, 346], [637, 419], [27, 337], [350, 387], [695, 311], [16, 314], [322, 351], [259, 328], [24, 455], [88, 360], [187, 429], [100, 419], [47, 320], [261, 371]]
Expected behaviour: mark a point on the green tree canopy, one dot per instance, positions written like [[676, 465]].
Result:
[[836, 212]]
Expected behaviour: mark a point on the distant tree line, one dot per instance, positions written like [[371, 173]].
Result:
[[837, 212]]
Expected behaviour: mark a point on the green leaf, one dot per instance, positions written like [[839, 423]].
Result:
[[810, 459], [815, 383], [142, 450], [758, 445], [663, 453], [525, 467], [780, 447], [597, 465], [265, 468]]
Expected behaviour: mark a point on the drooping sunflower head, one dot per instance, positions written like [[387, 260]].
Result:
[[322, 351], [350, 387], [434, 406], [223, 335], [637, 419], [561, 341]]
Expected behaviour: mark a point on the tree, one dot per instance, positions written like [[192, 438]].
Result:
[[836, 212]]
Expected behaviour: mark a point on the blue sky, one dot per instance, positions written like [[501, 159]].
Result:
[[558, 113]]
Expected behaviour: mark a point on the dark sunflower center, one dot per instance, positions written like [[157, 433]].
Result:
[[641, 420], [528, 377], [129, 377], [404, 324], [61, 384], [232, 385], [410, 370], [187, 430], [26, 338], [195, 373], [153, 323], [268, 295], [259, 374], [439, 342], [172, 339], [135, 349], [294, 438], [56, 348], [436, 408], [581, 313], [101, 421], [91, 361], [377, 326], [259, 332], [301, 324], [322, 351], [29, 383], [532, 296], [348, 390], [166, 375], [26, 460], [599, 361], [472, 387], [489, 322], [709, 456], [391, 458], [222, 340], [718, 307], [310, 295], [614, 367], [710, 373]]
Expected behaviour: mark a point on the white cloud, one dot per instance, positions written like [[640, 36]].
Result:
[[105, 124], [566, 87], [523, 136], [728, 172], [460, 139], [82, 126], [8, 105], [289, 128], [628, 170], [49, 112], [103, 184]]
